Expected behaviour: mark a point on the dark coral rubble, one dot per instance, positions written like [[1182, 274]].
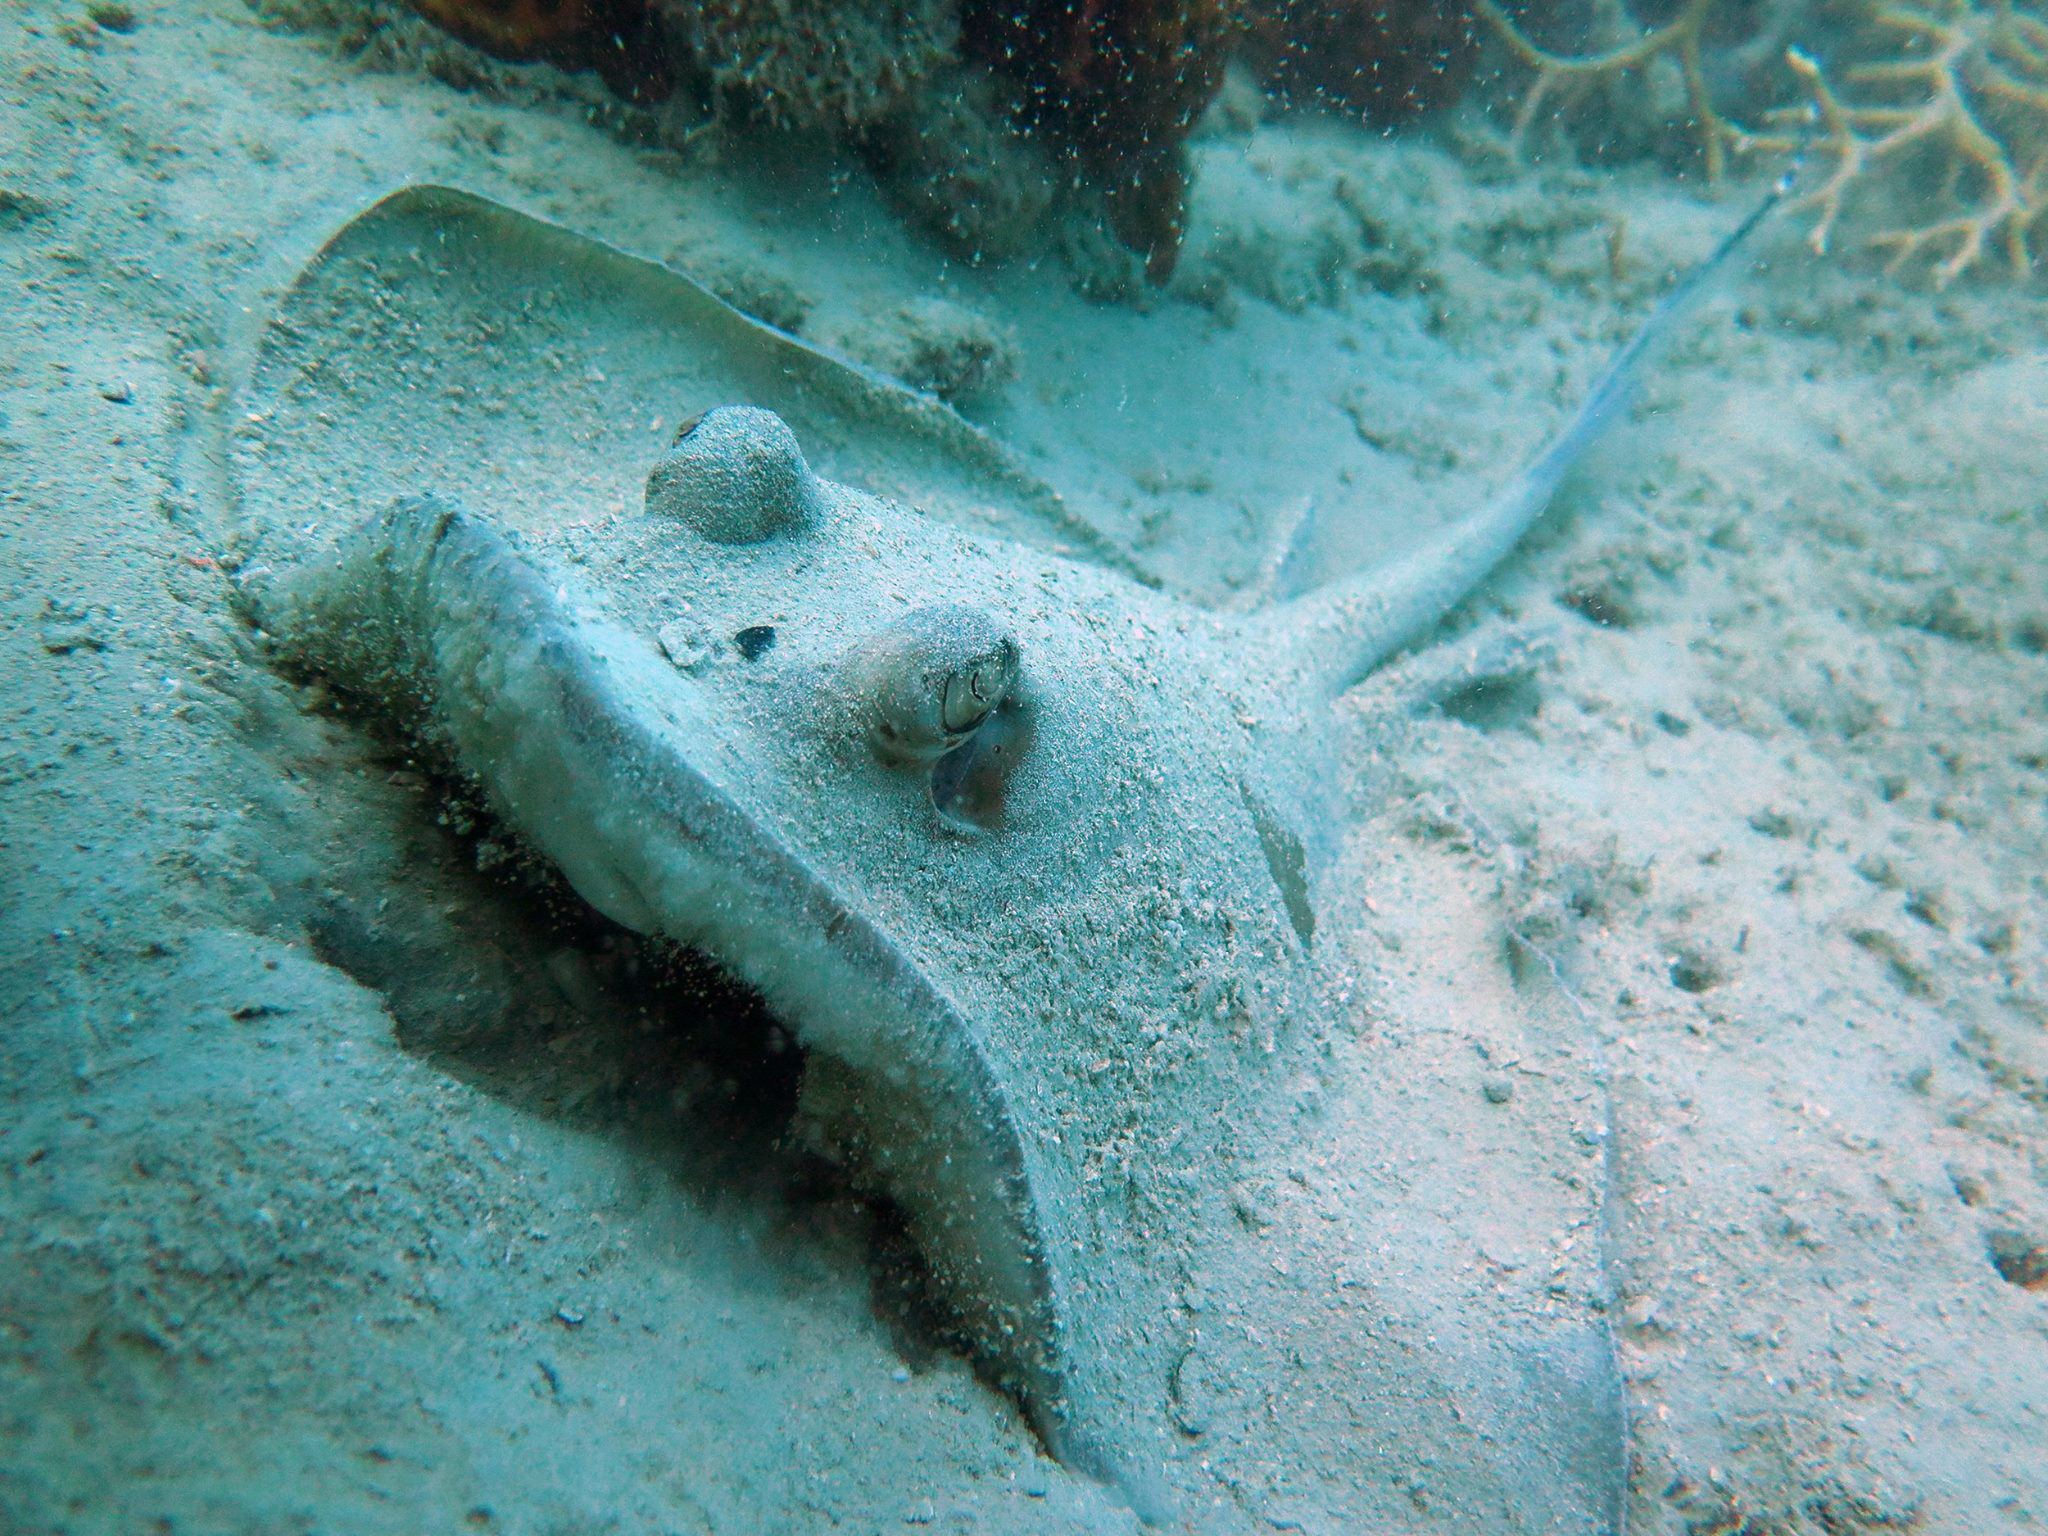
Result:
[[976, 114], [1387, 61], [1118, 85], [618, 38], [952, 160], [816, 64]]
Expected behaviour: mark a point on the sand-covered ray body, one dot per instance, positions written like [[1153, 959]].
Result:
[[1054, 970], [1012, 1004]]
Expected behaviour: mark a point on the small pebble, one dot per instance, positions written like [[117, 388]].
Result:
[[1498, 1090], [66, 629], [2019, 1257]]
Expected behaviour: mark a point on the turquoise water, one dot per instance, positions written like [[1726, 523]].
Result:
[[1198, 897]]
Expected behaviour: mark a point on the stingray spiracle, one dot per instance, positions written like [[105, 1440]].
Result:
[[927, 682]]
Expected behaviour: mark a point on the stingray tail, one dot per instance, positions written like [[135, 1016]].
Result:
[[1531, 491], [1332, 637]]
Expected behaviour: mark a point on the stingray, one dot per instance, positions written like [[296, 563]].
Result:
[[783, 662]]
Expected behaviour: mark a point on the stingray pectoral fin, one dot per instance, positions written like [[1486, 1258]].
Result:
[[1009, 1297], [604, 759], [369, 366]]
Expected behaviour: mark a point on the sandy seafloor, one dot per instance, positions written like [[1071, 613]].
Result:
[[285, 1246]]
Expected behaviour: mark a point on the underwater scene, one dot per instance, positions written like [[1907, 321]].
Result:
[[1024, 766]]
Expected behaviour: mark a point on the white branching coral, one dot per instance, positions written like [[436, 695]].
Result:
[[1679, 38], [1958, 88], [1969, 81]]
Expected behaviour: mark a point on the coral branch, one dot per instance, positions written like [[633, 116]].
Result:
[[1961, 83], [1679, 37], [1973, 53]]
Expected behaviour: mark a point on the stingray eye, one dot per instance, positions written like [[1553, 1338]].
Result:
[[966, 701], [737, 476], [928, 681]]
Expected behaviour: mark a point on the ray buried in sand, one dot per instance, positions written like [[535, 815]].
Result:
[[1027, 853]]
